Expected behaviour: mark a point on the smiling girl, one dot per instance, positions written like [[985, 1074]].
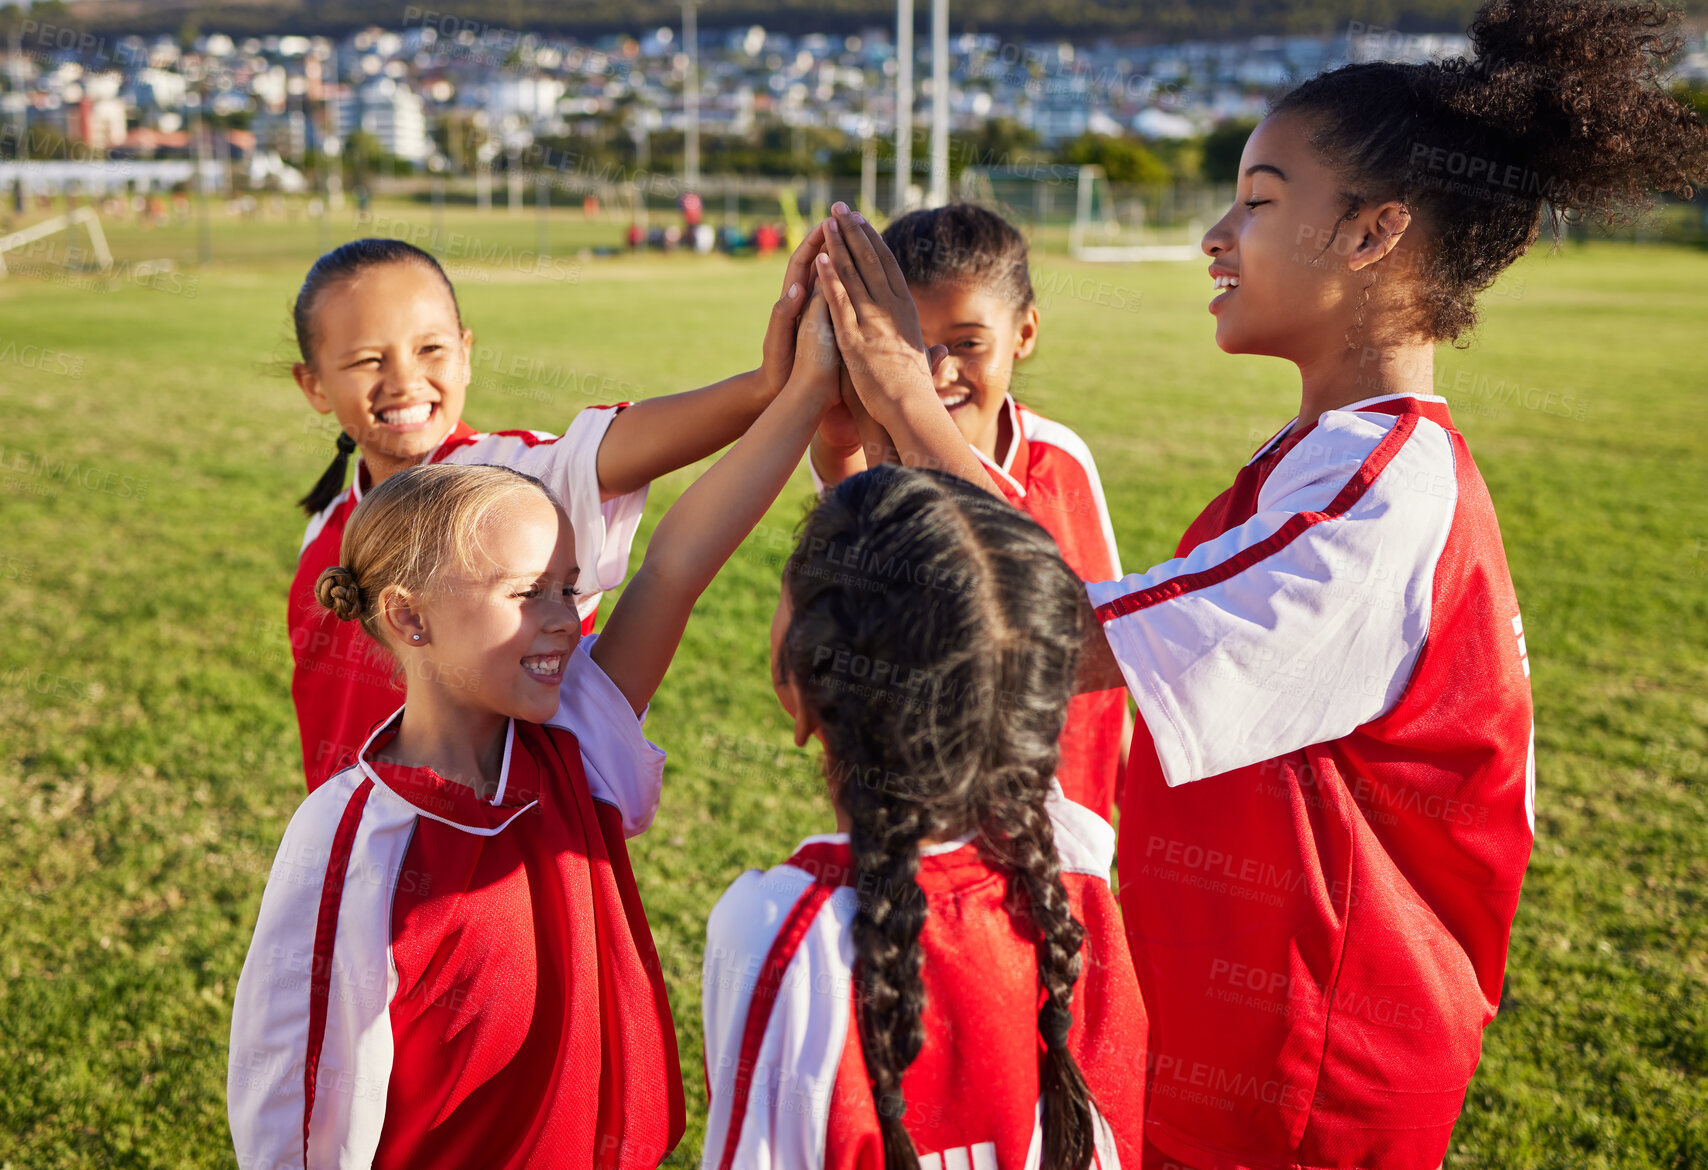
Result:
[[966, 268], [451, 966], [384, 351], [1331, 797]]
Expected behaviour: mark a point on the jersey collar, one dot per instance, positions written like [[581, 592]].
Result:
[[841, 839], [441, 800], [1003, 470], [460, 434], [1281, 435]]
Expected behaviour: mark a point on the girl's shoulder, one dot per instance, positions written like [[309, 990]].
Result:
[[755, 907], [1050, 433], [624, 768], [1085, 842]]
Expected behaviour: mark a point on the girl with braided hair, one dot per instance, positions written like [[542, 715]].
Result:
[[943, 982], [1330, 801], [451, 966]]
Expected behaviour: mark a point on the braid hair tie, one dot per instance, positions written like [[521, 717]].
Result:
[[892, 1104], [337, 590], [346, 445], [1054, 1022]]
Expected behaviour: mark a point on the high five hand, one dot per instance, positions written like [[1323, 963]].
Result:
[[883, 349], [786, 315]]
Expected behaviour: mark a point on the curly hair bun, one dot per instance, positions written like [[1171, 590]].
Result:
[[1559, 114], [337, 591], [1577, 83]]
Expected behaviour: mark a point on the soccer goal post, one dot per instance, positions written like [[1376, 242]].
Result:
[[1100, 236], [60, 223]]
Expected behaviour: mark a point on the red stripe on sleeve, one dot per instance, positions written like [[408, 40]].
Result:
[[1296, 525], [783, 949], [325, 933]]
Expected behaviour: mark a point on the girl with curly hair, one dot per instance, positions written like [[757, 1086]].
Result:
[[1330, 800]]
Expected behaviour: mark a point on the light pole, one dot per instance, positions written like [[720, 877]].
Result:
[[904, 105], [691, 96], [939, 103]]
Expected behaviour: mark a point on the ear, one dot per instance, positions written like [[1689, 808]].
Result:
[[806, 719], [309, 383], [1027, 337], [1378, 231], [468, 352], [402, 622]]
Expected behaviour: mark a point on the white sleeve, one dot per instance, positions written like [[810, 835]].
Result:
[[569, 465], [791, 1082], [624, 768], [1302, 623], [337, 923], [1085, 842]]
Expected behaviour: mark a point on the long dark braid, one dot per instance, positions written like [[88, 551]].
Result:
[[967, 622]]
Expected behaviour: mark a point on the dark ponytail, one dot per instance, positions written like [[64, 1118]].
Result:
[[331, 481], [344, 263], [1560, 108], [975, 617]]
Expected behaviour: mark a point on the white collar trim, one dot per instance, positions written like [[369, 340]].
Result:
[[503, 780], [925, 850]]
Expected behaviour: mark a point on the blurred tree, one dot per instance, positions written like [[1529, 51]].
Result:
[[1122, 159], [1222, 147]]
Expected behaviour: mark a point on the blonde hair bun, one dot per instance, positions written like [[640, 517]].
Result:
[[338, 591]]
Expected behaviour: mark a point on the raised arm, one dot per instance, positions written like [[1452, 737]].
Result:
[[877, 331], [658, 435], [706, 525]]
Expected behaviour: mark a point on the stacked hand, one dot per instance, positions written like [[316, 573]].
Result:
[[888, 388], [860, 324], [781, 332]]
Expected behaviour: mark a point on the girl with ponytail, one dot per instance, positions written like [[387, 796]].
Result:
[[1330, 800], [943, 981], [451, 966], [384, 352]]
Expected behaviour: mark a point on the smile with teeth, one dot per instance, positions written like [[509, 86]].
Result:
[[955, 401], [544, 665], [1223, 281], [403, 416]]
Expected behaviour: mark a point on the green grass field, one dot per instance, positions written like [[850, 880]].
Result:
[[149, 759]]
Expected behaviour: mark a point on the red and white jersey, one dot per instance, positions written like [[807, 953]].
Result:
[[441, 981], [1047, 472], [342, 681], [785, 1070], [1331, 802]]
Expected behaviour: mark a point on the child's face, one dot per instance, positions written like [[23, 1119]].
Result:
[[1292, 298], [985, 337], [500, 638], [391, 362]]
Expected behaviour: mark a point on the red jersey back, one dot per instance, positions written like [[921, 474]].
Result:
[[1331, 805], [784, 1062], [1049, 474], [342, 681]]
